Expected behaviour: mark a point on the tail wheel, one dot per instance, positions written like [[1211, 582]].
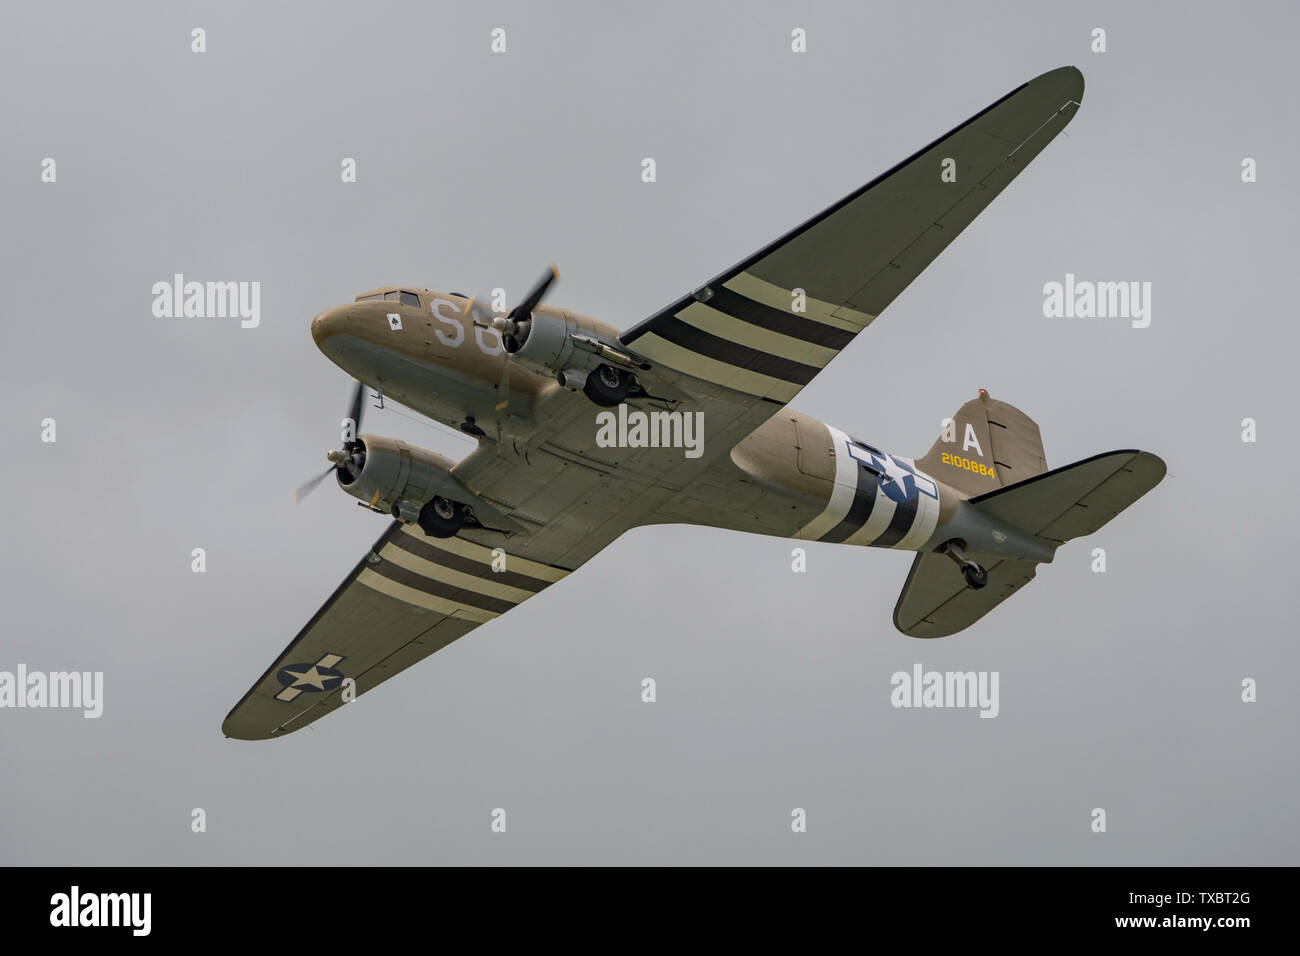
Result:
[[442, 518], [976, 577], [607, 385]]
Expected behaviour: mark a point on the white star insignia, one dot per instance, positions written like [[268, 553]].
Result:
[[895, 472], [308, 678]]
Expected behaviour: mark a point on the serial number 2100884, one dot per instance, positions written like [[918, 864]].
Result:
[[967, 465]]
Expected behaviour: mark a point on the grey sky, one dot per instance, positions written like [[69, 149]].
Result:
[[1118, 690]]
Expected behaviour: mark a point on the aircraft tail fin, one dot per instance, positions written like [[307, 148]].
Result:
[[990, 445]]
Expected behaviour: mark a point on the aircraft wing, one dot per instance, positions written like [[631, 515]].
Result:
[[409, 596], [744, 330]]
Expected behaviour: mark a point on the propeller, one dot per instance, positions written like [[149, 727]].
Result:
[[355, 411], [513, 327], [352, 458], [479, 313], [307, 487]]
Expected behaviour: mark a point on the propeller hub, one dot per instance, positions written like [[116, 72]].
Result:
[[348, 462]]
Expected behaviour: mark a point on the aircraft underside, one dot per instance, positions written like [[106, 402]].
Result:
[[585, 432]]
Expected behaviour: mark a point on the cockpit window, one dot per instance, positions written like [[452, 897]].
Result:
[[392, 295]]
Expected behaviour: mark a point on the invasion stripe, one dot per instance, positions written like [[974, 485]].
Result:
[[843, 490], [864, 499], [424, 549], [441, 572], [794, 324], [904, 512], [753, 336], [760, 290], [710, 346], [477, 552], [711, 370], [879, 521], [927, 514], [460, 596], [420, 598]]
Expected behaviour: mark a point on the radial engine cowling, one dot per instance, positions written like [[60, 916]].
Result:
[[580, 359], [394, 473], [545, 344]]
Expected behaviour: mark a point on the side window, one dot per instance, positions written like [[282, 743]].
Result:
[[390, 296], [410, 298]]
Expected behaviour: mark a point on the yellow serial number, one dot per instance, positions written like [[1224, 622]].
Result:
[[967, 465]]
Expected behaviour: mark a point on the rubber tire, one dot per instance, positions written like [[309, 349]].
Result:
[[976, 577], [601, 392], [438, 526]]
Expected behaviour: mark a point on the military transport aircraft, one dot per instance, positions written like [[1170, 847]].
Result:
[[585, 432]]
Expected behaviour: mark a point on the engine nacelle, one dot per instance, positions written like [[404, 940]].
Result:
[[546, 345], [397, 477], [580, 359]]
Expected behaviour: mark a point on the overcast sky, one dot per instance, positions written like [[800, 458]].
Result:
[[1119, 690]]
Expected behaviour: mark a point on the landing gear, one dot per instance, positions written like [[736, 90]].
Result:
[[976, 577], [441, 518], [607, 385]]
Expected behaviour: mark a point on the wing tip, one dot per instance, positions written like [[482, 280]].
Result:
[[233, 728], [1068, 79]]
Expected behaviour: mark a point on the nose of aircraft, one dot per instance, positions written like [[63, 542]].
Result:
[[330, 322]]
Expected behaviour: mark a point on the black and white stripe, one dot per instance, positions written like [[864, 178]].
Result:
[[743, 334], [858, 512], [452, 576]]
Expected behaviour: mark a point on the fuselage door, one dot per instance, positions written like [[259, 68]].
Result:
[[813, 451]]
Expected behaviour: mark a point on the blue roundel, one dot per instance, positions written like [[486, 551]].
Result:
[[896, 478], [312, 678]]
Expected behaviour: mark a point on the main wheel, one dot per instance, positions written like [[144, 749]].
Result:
[[976, 577], [441, 518], [607, 385]]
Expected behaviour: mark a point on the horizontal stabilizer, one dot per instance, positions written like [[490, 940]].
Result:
[[1056, 506], [936, 601], [1075, 500]]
